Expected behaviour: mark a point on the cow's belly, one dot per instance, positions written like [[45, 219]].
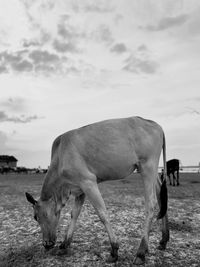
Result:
[[114, 173], [111, 166]]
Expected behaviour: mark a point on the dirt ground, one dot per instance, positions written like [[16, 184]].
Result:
[[21, 241]]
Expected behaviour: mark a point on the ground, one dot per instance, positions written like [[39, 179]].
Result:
[[21, 241]]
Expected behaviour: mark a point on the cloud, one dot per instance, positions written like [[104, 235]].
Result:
[[138, 65], [43, 56], [72, 35], [6, 57], [102, 34], [118, 18], [14, 104], [64, 46], [3, 69], [66, 32], [23, 65], [48, 5], [99, 6], [47, 63], [193, 110], [14, 61], [43, 38], [195, 99], [20, 119], [30, 43], [37, 61], [3, 140], [68, 38], [140, 61], [45, 5], [142, 48], [43, 62], [168, 22], [119, 48], [45, 69]]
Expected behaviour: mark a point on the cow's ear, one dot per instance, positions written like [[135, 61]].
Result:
[[30, 199]]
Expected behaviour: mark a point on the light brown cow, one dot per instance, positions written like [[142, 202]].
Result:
[[102, 151]]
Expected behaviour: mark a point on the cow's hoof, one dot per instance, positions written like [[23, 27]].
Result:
[[139, 260], [63, 246], [112, 259], [161, 247]]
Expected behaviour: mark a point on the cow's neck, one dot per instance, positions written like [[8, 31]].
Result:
[[54, 187]]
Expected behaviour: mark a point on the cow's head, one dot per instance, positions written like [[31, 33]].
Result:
[[47, 214]]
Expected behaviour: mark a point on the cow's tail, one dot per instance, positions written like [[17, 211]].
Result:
[[163, 197]]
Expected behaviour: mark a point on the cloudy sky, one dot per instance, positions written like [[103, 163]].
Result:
[[67, 63]]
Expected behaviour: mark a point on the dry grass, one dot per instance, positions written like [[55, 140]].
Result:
[[21, 241]]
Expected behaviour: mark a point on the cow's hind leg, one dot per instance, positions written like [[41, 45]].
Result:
[[169, 176], [148, 173], [91, 189], [165, 233], [177, 178], [174, 178], [164, 226], [78, 203]]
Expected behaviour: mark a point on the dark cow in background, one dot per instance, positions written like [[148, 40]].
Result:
[[172, 167]]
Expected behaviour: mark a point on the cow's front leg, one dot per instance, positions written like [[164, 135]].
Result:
[[174, 178], [78, 203], [148, 173], [169, 176], [177, 177], [92, 191]]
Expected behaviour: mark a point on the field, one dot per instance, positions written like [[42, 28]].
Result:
[[21, 241]]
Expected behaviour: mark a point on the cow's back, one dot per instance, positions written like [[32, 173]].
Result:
[[110, 149]]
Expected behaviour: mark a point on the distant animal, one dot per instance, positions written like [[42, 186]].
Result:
[[172, 167], [103, 151]]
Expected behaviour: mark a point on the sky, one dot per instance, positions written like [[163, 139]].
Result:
[[68, 63]]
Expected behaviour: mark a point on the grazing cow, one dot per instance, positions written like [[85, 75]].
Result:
[[172, 167], [102, 151]]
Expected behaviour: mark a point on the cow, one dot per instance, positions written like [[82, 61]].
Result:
[[172, 167], [106, 150]]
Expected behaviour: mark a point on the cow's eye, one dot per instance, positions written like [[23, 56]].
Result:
[[35, 217]]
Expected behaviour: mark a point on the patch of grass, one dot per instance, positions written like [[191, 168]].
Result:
[[194, 182], [125, 202], [181, 226]]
